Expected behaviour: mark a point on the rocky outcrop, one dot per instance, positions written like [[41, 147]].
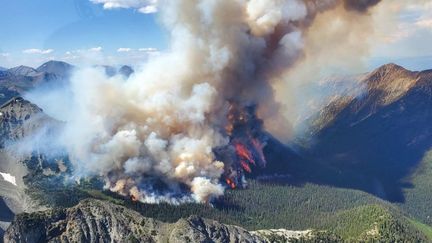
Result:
[[100, 221], [18, 118]]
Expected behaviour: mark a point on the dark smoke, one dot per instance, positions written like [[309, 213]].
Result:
[[361, 6]]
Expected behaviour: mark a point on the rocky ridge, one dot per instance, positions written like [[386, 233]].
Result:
[[100, 221], [18, 118]]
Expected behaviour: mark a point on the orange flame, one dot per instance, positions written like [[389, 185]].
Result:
[[133, 198], [231, 183], [245, 166], [244, 153]]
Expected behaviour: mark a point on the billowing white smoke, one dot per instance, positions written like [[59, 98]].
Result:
[[164, 121], [148, 125]]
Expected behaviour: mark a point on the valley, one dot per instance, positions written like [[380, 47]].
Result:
[[364, 174]]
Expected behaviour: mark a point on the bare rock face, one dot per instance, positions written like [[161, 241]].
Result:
[[101, 221], [195, 229], [19, 117], [13, 114]]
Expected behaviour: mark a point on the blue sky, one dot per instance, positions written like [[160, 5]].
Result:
[[120, 32], [32, 31]]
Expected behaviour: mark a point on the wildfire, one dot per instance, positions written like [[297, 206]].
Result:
[[259, 148], [236, 117], [133, 198], [246, 167], [244, 153], [231, 183], [247, 141], [229, 128]]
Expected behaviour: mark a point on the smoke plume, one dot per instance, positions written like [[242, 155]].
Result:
[[152, 136]]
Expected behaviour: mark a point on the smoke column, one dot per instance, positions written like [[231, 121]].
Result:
[[156, 131]]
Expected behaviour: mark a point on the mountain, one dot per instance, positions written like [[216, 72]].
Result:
[[16, 81], [6, 94], [2, 69], [23, 71], [60, 69], [111, 71], [13, 115], [19, 118], [99, 221], [375, 140], [262, 207], [126, 71], [362, 173]]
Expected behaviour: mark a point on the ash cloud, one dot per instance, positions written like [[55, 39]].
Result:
[[156, 131]]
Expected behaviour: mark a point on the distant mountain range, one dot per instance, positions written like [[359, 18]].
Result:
[[16, 81], [22, 71], [361, 173]]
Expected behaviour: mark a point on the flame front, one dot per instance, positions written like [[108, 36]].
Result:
[[244, 153]]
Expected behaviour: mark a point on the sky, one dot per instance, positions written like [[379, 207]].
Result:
[[115, 32], [33, 31], [407, 39]]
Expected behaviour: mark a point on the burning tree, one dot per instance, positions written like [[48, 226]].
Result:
[[244, 152]]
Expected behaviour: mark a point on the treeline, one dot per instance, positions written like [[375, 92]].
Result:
[[347, 214]]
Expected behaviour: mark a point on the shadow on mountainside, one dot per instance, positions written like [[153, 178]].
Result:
[[369, 145], [6, 214]]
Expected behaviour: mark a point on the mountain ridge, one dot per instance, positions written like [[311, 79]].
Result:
[[22, 71], [381, 134], [108, 222]]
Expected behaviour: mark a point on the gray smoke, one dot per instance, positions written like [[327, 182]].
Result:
[[360, 5]]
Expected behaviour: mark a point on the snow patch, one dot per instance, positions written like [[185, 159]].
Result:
[[9, 178]]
